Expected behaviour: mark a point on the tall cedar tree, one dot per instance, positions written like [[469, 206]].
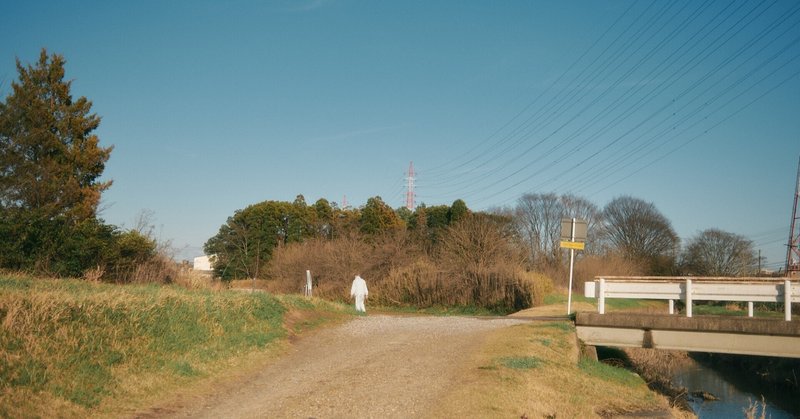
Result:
[[50, 162]]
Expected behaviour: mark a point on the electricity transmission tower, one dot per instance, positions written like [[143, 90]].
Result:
[[793, 251], [410, 187]]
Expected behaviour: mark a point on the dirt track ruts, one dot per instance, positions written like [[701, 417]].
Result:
[[373, 366]]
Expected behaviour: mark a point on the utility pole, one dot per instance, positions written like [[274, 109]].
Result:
[[793, 247], [410, 187]]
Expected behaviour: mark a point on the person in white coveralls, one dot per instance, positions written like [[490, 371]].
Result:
[[359, 292]]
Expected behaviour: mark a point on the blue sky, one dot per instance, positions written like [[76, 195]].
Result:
[[213, 106]]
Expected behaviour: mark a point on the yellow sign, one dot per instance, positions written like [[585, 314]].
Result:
[[573, 245]]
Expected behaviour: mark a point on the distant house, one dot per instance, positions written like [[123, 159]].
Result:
[[204, 263]]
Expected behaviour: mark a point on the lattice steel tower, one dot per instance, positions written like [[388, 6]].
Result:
[[793, 251], [410, 187]]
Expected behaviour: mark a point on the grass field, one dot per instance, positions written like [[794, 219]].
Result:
[[68, 347]]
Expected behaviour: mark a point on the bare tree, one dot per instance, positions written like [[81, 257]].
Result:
[[715, 252], [637, 230], [479, 244], [538, 218]]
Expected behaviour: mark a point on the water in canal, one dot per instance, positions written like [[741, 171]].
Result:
[[734, 398]]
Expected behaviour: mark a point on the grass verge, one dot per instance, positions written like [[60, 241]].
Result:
[[533, 370], [70, 348]]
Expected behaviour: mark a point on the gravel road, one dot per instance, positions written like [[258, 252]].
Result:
[[373, 366]]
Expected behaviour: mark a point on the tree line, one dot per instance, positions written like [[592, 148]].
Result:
[[627, 227], [246, 241], [634, 230]]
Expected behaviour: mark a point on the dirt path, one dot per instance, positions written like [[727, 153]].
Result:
[[373, 366]]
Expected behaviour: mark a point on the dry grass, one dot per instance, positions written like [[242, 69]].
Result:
[[587, 268], [556, 384], [160, 269], [194, 280], [68, 347], [756, 410]]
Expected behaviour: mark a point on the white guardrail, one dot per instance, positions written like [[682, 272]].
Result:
[[689, 289]]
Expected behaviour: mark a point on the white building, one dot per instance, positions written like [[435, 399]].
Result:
[[203, 263]]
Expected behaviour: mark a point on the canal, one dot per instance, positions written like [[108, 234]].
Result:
[[736, 393]]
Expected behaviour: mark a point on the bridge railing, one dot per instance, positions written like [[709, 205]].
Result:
[[690, 289]]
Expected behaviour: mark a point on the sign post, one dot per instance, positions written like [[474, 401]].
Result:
[[573, 237]]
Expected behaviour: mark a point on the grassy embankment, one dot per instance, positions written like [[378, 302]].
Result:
[[534, 370], [70, 348]]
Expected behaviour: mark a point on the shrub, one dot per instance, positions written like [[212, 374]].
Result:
[[587, 268], [333, 263], [542, 286], [475, 266]]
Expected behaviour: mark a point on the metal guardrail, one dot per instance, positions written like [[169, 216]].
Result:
[[690, 289]]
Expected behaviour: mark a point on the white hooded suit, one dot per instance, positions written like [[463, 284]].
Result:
[[359, 291]]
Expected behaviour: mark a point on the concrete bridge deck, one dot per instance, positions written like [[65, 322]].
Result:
[[720, 334]]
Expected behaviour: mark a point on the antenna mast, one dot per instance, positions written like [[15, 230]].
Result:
[[410, 187], [793, 251]]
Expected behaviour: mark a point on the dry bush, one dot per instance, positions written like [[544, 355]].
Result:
[[419, 284], [476, 266], [559, 274], [486, 269], [423, 284], [332, 263], [476, 244], [159, 269], [95, 274], [587, 268], [193, 280], [542, 286], [392, 251]]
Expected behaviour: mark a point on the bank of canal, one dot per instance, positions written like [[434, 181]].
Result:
[[737, 382], [736, 394]]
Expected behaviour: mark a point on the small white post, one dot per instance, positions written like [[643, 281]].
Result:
[[749, 309], [688, 297], [671, 306], [787, 298], [308, 283], [601, 302]]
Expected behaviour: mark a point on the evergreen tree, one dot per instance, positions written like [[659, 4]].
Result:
[[50, 166], [50, 160], [377, 217], [458, 211]]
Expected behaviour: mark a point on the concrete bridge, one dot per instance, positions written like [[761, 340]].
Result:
[[720, 334]]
